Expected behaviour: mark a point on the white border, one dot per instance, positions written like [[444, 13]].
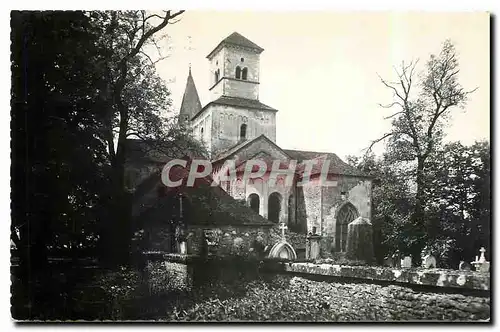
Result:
[[426, 5]]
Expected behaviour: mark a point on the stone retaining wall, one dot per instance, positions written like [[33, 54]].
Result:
[[417, 276]]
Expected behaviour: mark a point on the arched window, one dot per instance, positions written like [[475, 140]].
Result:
[[238, 72], [346, 214], [254, 202], [243, 132], [274, 207], [244, 73]]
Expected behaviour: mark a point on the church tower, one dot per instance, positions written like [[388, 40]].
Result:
[[234, 114], [190, 101], [234, 68]]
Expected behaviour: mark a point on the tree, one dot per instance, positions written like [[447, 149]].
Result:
[[56, 148], [135, 100], [458, 201], [82, 85], [423, 108]]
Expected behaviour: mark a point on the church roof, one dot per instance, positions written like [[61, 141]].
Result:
[[210, 205], [337, 165], [232, 150], [191, 104], [158, 152], [237, 102], [237, 39]]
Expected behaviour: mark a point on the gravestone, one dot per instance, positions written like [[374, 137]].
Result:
[[312, 246], [429, 261], [238, 246], [360, 240], [481, 264], [182, 248], [388, 262], [283, 249], [464, 266], [406, 262]]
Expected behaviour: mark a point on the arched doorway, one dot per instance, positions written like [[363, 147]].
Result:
[[254, 202], [345, 215], [274, 207]]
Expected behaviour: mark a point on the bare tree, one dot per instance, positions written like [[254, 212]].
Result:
[[423, 105]]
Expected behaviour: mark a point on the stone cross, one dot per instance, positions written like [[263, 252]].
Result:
[[482, 259], [283, 227]]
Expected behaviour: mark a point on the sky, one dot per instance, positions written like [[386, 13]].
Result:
[[320, 69]]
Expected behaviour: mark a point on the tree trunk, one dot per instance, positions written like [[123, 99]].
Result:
[[418, 218]]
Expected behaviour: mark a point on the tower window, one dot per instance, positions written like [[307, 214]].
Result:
[[201, 132], [242, 60], [238, 72], [217, 76], [243, 132], [244, 73]]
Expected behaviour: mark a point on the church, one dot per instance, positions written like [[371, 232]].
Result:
[[235, 125]]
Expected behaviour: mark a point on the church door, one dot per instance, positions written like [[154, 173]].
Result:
[[274, 207]]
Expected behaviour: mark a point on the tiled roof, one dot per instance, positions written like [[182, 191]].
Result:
[[210, 205], [157, 151], [337, 165], [237, 102], [237, 39], [227, 153], [243, 102]]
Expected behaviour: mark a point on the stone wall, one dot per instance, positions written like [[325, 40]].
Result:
[[225, 61], [229, 240], [349, 189], [217, 63], [415, 276], [227, 120], [251, 61]]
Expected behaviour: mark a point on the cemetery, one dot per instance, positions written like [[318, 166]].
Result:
[[354, 291], [130, 205]]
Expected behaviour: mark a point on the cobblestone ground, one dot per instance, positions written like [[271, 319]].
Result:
[[299, 299]]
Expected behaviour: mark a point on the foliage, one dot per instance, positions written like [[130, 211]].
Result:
[[82, 84], [458, 203], [59, 169], [424, 104]]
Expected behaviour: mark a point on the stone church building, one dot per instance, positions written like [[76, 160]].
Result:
[[236, 125]]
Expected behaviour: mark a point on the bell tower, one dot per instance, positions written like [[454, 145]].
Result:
[[235, 68], [234, 114]]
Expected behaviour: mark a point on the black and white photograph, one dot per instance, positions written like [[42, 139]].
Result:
[[250, 166]]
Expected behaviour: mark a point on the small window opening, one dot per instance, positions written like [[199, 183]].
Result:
[[244, 73], [243, 132], [238, 72]]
